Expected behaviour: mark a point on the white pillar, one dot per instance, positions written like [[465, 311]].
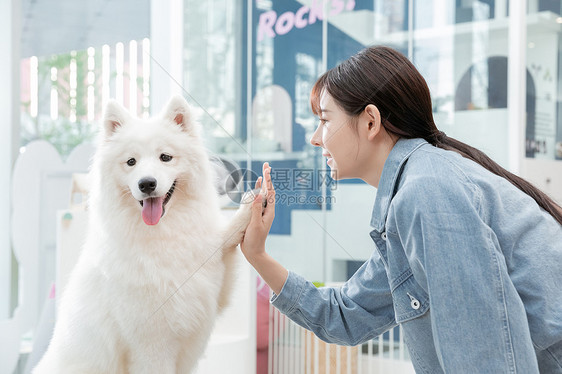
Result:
[[10, 39], [10, 26], [516, 83], [251, 287], [166, 60]]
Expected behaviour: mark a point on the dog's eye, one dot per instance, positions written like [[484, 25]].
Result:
[[165, 158], [131, 162]]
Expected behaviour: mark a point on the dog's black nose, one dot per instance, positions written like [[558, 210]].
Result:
[[147, 185]]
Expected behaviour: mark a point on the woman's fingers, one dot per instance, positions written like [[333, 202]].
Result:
[[269, 183], [264, 185], [257, 208], [267, 193], [269, 212]]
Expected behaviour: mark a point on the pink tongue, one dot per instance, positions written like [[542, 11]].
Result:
[[152, 210]]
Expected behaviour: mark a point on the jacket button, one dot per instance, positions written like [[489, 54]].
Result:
[[414, 303], [383, 235]]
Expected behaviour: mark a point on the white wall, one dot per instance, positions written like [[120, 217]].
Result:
[[10, 26], [9, 112], [544, 174]]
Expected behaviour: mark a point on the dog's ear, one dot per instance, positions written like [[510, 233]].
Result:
[[114, 117], [178, 111]]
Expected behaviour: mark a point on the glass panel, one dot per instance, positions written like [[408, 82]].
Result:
[[66, 81], [346, 237], [377, 22], [467, 11], [463, 57], [213, 60], [544, 80], [287, 61], [348, 243], [74, 58], [317, 221], [63, 94]]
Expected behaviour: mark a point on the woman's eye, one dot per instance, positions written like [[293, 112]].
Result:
[[165, 158], [323, 121], [131, 162]]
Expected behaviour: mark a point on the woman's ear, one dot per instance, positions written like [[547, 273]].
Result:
[[373, 118]]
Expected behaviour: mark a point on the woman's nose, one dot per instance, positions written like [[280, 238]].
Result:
[[316, 138]]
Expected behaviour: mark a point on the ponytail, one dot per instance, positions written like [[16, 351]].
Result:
[[440, 140]]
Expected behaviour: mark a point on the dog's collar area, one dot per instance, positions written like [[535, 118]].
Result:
[[168, 195]]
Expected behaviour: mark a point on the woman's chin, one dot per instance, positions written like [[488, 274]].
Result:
[[333, 169]]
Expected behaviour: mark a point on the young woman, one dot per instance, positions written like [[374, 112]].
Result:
[[468, 256]]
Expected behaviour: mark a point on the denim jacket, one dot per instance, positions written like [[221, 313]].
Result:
[[469, 265]]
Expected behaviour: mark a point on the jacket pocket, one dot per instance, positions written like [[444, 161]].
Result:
[[409, 298]]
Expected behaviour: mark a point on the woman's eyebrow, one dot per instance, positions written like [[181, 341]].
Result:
[[324, 110]]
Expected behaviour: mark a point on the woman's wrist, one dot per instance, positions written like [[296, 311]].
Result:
[[271, 271], [257, 258]]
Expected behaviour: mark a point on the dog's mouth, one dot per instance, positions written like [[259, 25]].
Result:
[[153, 207]]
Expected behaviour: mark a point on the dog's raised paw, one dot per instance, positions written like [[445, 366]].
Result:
[[250, 195], [242, 218]]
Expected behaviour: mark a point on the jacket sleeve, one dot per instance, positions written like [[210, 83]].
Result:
[[478, 320], [358, 311]]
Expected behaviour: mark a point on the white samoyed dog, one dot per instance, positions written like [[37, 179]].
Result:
[[158, 259]]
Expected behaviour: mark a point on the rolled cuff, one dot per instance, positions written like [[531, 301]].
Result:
[[290, 293]]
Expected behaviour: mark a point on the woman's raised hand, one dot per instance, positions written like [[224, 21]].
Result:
[[253, 243]]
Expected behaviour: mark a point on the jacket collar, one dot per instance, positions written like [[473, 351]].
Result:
[[389, 178]]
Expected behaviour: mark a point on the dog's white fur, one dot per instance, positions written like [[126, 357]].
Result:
[[142, 298]]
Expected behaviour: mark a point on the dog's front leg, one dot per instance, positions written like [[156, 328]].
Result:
[[232, 237], [237, 227]]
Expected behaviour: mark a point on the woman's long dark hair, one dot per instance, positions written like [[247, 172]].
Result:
[[386, 78]]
